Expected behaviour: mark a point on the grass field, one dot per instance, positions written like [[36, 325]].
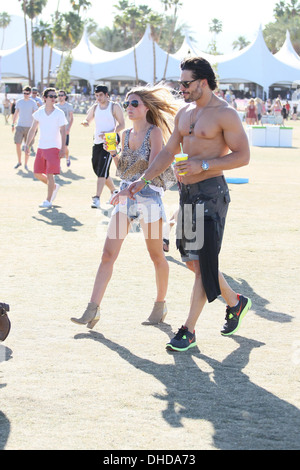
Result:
[[116, 387]]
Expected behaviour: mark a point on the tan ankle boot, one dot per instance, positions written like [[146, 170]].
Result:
[[90, 317], [158, 314]]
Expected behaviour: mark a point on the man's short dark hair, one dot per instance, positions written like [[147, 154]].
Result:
[[27, 88], [101, 88], [45, 92], [201, 69]]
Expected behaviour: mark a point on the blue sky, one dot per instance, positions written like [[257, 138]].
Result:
[[239, 18]]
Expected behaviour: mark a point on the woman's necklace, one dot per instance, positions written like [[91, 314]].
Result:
[[194, 120]]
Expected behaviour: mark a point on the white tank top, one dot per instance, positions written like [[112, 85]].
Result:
[[105, 122]]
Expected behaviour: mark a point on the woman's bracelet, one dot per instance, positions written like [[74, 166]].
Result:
[[146, 181]]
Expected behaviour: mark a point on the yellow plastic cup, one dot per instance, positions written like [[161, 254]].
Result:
[[179, 157], [111, 140]]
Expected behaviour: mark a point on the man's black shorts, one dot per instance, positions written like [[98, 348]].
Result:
[[101, 161], [213, 195]]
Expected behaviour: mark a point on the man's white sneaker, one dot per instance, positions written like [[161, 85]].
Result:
[[54, 194], [96, 202], [45, 204]]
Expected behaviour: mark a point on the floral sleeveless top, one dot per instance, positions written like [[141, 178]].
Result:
[[133, 163]]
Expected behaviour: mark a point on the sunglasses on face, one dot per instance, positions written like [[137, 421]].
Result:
[[186, 83], [26, 92], [52, 96], [133, 103], [61, 95]]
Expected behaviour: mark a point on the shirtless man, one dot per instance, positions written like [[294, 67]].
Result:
[[211, 133]]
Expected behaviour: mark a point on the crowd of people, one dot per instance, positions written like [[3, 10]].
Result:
[[201, 125], [282, 110]]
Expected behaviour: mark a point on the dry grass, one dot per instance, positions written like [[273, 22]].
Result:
[[64, 387]]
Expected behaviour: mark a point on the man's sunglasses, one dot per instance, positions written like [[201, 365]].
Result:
[[133, 103], [26, 92], [186, 83], [52, 96]]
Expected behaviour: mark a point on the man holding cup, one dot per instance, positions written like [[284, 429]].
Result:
[[210, 132], [108, 118]]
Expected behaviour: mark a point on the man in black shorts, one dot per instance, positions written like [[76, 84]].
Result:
[[108, 117], [211, 133]]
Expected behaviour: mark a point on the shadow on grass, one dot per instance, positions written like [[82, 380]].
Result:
[[5, 355], [243, 414], [259, 303], [55, 218]]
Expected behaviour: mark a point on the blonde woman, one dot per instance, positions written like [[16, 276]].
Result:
[[151, 110]]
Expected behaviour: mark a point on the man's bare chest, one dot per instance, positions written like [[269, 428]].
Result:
[[202, 125]]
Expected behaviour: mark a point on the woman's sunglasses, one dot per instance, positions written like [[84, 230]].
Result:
[[186, 83], [134, 104]]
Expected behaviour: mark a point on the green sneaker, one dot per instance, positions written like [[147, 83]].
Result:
[[182, 341], [234, 315]]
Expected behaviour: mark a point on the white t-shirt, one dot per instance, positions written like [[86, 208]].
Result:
[[50, 125]]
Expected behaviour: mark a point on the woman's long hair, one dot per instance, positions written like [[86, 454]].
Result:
[[162, 106]]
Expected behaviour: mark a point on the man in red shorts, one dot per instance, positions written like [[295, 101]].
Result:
[[51, 147]]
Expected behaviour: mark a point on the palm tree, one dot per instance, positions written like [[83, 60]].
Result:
[[131, 19], [167, 5], [23, 6], [134, 16], [121, 21], [108, 39], [215, 27], [5, 20], [68, 29], [155, 21], [42, 36], [240, 43], [77, 5], [31, 8], [34, 8]]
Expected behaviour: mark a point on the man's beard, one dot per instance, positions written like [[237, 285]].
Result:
[[194, 96]]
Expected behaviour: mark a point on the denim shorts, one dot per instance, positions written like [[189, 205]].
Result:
[[146, 206]]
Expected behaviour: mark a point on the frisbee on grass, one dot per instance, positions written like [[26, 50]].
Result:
[[237, 180]]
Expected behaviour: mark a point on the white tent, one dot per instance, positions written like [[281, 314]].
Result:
[[150, 62], [94, 64], [255, 63], [13, 62], [287, 53]]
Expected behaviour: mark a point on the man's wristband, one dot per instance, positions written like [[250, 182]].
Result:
[[146, 181]]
